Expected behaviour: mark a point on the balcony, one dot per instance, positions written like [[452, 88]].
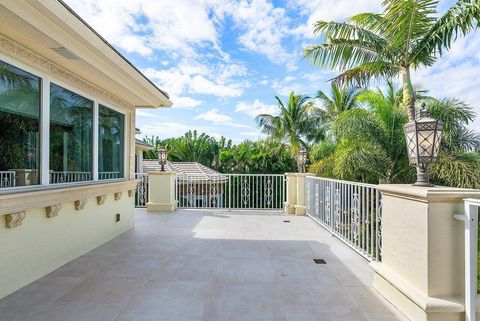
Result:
[[209, 265]]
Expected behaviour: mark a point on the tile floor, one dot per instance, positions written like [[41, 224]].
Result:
[[208, 265]]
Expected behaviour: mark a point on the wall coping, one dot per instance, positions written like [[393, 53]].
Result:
[[436, 194], [166, 173], [426, 303], [17, 202]]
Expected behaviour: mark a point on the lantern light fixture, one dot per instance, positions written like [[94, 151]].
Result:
[[301, 159], [162, 155], [423, 136]]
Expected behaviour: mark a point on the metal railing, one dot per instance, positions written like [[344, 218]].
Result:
[[470, 219], [231, 191], [69, 177], [7, 179], [350, 211], [108, 175], [141, 192]]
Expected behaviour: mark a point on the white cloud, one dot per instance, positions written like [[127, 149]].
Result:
[[144, 26], [264, 28], [456, 74], [329, 10], [217, 118], [255, 108]]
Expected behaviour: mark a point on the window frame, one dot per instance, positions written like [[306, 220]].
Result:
[[45, 81], [125, 139]]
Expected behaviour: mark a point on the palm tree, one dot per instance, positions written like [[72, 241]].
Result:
[[341, 98], [367, 141], [297, 123], [408, 34]]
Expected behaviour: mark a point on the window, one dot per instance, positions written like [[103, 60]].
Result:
[[110, 143], [71, 131], [19, 127]]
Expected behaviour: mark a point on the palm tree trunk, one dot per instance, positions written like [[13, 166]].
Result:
[[408, 94]]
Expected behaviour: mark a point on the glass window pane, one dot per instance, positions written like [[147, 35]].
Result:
[[19, 127], [110, 143], [71, 129]]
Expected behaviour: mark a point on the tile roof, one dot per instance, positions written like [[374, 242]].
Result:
[[192, 170]]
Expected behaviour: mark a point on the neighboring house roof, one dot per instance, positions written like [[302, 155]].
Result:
[[142, 145], [192, 170]]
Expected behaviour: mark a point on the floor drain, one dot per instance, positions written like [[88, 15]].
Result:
[[319, 261], [286, 221]]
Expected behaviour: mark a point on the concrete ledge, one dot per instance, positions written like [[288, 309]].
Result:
[[411, 301], [438, 194], [158, 207], [300, 210]]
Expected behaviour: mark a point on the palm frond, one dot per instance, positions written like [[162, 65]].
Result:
[[460, 19], [362, 75]]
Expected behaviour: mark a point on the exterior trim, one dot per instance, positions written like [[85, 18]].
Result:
[[25, 55]]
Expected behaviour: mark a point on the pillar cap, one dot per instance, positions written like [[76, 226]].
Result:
[[438, 194], [166, 173]]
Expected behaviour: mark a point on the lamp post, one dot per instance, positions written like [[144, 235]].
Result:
[[301, 159], [423, 136], [162, 155]]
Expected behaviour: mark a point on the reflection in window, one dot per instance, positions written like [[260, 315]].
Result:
[[71, 127], [19, 127], [110, 143]]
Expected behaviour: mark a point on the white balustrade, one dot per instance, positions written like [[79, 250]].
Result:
[[351, 211], [7, 179], [108, 175], [141, 192], [69, 177], [232, 191]]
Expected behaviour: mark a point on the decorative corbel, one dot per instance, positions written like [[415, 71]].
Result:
[[118, 196], [101, 199], [14, 219], [131, 192], [53, 210], [80, 204]]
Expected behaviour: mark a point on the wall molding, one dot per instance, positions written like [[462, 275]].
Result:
[[101, 199], [80, 204], [53, 210], [26, 55], [118, 196], [13, 220]]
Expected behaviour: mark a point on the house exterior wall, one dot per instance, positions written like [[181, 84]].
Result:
[[41, 244], [45, 227]]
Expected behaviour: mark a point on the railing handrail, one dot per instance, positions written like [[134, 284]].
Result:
[[342, 181]]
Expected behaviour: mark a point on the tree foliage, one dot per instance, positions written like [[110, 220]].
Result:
[[407, 34]]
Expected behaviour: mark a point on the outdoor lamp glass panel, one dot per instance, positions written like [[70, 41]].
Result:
[[423, 137], [162, 157], [301, 159]]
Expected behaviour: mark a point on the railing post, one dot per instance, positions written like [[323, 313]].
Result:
[[422, 270], [300, 208], [291, 200], [161, 192], [471, 234]]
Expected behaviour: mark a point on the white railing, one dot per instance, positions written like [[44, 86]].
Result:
[[470, 219], [141, 192], [69, 177], [108, 175], [351, 211], [7, 179], [231, 191]]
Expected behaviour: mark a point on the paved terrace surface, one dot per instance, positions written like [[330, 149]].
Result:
[[208, 265]]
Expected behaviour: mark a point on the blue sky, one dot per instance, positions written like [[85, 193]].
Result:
[[223, 61]]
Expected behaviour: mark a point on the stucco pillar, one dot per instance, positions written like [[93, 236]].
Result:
[[291, 194], [422, 270], [300, 208], [161, 192]]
